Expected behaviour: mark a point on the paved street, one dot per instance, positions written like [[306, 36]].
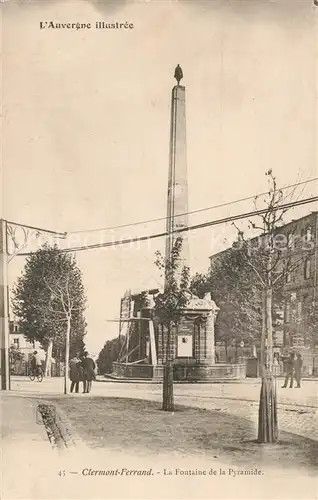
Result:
[[26, 448], [247, 390], [298, 407]]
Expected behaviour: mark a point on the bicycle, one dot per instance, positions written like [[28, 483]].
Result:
[[38, 373]]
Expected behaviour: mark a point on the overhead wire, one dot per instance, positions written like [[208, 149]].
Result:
[[185, 229], [200, 210]]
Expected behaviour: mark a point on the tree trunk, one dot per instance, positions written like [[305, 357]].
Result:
[[226, 349], [67, 353], [168, 400], [262, 354], [269, 327], [267, 415], [167, 396], [48, 359]]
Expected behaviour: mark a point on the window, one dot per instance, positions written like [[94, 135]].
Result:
[[299, 311], [16, 343], [288, 270], [308, 233], [287, 313], [289, 240], [307, 269]]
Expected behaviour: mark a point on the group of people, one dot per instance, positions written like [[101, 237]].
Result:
[[293, 369], [82, 369]]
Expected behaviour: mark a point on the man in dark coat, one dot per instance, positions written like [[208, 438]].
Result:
[[88, 365], [75, 373], [298, 367], [290, 370]]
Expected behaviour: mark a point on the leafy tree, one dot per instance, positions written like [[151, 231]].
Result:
[[236, 293], [108, 354], [49, 302], [169, 306]]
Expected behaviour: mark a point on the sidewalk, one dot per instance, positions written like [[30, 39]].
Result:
[[113, 434], [25, 448], [19, 425]]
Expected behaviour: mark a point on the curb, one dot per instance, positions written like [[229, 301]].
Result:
[[248, 380], [61, 432], [108, 379]]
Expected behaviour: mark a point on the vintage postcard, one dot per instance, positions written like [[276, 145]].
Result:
[[159, 249]]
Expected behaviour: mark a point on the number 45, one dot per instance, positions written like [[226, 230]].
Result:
[[61, 473]]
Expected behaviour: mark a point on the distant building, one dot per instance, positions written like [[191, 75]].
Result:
[[21, 350], [19, 342], [301, 287]]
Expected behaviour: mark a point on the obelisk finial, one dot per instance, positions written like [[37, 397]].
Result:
[[178, 74]]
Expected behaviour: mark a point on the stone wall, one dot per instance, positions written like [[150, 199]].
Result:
[[182, 372], [132, 371], [212, 373], [200, 327]]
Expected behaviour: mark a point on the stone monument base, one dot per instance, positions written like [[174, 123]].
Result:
[[182, 372]]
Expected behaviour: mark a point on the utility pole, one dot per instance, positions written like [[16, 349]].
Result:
[[4, 308]]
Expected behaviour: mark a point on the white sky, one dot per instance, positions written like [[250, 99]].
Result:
[[86, 123]]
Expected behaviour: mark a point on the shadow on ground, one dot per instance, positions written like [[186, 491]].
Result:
[[141, 427]]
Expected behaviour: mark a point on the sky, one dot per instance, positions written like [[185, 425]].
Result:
[[86, 125]]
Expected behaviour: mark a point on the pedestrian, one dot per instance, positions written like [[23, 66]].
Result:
[[89, 372], [276, 359], [276, 369], [298, 367], [281, 365], [290, 370], [75, 373]]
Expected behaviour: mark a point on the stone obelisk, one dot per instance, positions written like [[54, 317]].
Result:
[[177, 206]]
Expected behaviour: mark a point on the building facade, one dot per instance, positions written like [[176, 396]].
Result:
[[20, 352], [20, 343], [296, 327], [300, 290]]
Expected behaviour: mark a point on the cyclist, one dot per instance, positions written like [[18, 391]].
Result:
[[36, 363]]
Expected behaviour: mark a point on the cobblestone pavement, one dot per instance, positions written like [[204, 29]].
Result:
[[298, 408], [297, 420]]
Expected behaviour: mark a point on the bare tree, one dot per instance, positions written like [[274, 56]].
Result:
[[62, 306], [271, 264]]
